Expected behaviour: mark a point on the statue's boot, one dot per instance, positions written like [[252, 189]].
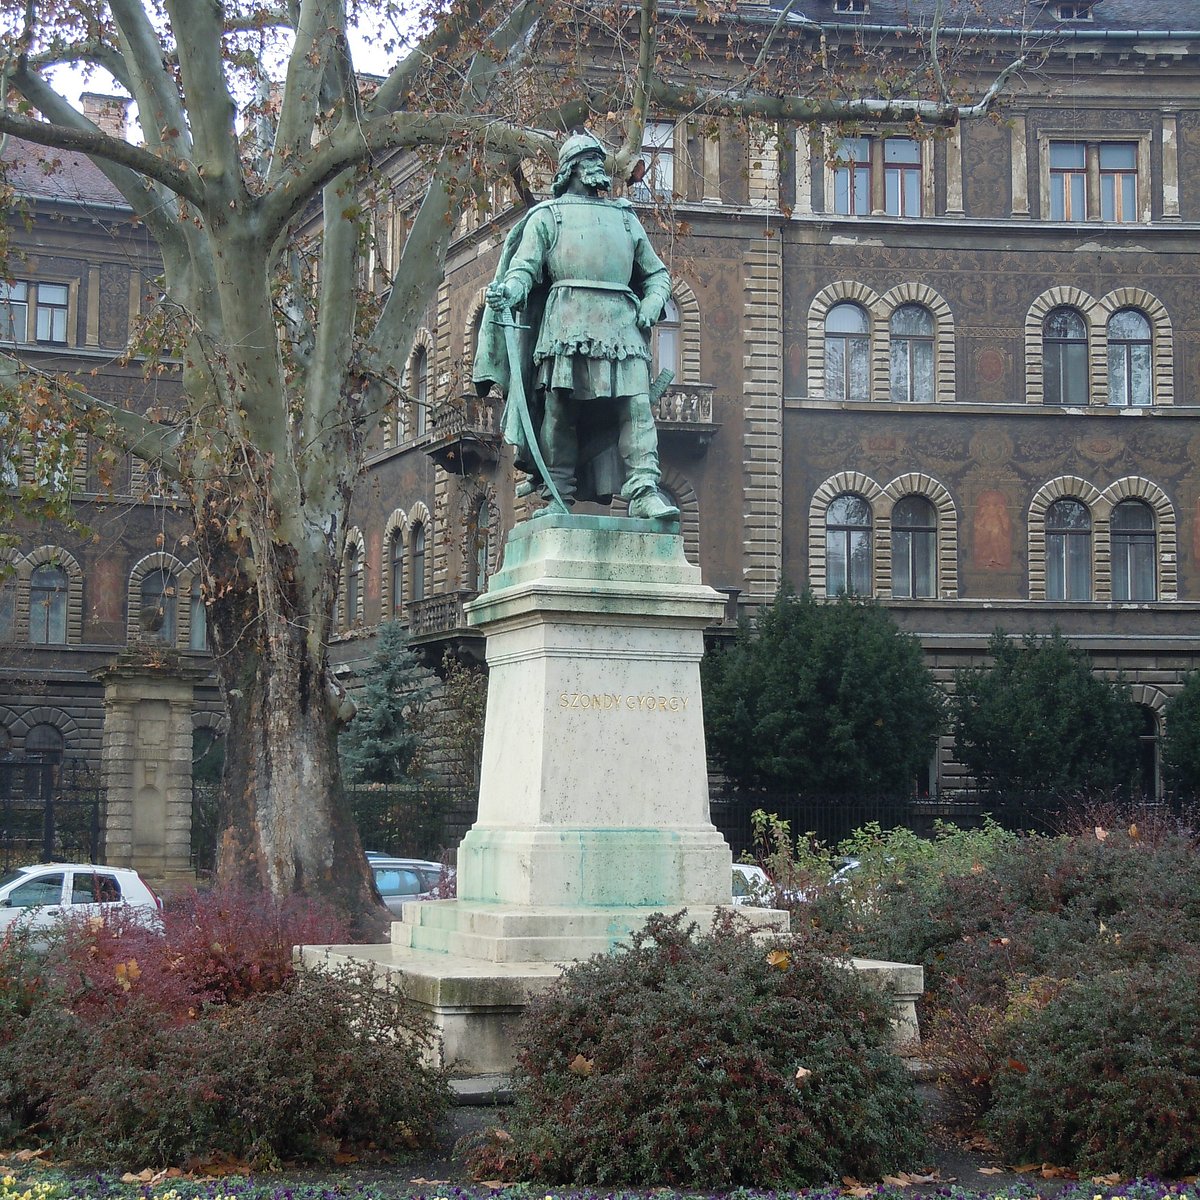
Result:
[[650, 505]]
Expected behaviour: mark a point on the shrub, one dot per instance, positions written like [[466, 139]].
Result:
[[710, 1062], [328, 1059], [1106, 1075]]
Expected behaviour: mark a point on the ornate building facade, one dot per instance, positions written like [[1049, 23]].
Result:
[[956, 373], [72, 599]]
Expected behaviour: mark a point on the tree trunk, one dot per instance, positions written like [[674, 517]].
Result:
[[286, 825]]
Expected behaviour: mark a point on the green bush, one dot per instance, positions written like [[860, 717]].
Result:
[[709, 1062], [1106, 1075], [325, 1061]]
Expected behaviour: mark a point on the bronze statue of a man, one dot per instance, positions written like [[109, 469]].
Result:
[[590, 286]]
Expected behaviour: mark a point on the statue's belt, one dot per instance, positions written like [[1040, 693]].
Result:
[[598, 285]]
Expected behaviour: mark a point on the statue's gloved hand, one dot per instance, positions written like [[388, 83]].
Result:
[[504, 294], [649, 310]]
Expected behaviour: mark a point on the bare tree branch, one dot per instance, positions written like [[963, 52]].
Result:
[[163, 119], [198, 27], [392, 93], [146, 439], [302, 86], [150, 200], [635, 122]]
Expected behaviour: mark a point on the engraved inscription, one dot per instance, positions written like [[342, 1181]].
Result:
[[613, 701]]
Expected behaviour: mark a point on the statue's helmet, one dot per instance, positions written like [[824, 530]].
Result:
[[576, 146]]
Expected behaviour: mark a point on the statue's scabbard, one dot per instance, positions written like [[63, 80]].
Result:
[[516, 397]]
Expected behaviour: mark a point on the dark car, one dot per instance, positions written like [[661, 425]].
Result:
[[402, 879]]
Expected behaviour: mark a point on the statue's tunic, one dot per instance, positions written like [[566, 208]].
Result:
[[596, 262]]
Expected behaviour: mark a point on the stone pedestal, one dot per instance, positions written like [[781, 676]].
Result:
[[146, 759], [593, 806]]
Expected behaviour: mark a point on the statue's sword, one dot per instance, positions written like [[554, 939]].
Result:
[[516, 395]]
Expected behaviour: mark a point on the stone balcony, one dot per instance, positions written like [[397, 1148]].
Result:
[[684, 415], [465, 433], [437, 623]]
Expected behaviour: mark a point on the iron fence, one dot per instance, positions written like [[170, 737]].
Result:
[[50, 811]]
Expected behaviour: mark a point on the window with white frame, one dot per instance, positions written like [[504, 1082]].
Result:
[[914, 549], [1117, 164], [1130, 372], [1068, 181], [902, 177], [658, 153], [1068, 551], [1083, 173], [848, 546], [1132, 544], [847, 353], [33, 310], [912, 373], [852, 178], [1065, 357], [874, 174], [667, 341], [419, 390]]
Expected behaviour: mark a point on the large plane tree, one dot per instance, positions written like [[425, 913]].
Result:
[[264, 154]]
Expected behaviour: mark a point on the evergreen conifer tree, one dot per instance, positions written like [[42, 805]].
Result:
[[380, 744]]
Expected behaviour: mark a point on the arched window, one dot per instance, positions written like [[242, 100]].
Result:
[[419, 390], [848, 546], [914, 549], [479, 545], [396, 572], [912, 354], [1068, 551], [1129, 354], [1065, 358], [847, 353], [48, 605], [668, 341], [198, 635], [353, 584], [1133, 552], [45, 743], [418, 563], [159, 593]]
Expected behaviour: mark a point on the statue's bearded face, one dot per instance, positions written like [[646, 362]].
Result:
[[592, 174]]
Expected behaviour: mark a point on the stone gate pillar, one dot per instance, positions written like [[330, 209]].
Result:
[[146, 761]]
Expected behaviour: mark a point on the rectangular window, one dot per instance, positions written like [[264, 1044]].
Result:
[[51, 312], [1118, 182], [658, 152], [902, 177], [14, 312], [1068, 181], [852, 178]]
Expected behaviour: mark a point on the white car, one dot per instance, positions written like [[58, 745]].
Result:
[[751, 885], [44, 893]]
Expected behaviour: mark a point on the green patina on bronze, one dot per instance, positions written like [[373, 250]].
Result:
[[587, 286]]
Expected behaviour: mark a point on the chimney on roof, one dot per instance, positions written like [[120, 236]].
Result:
[[110, 113]]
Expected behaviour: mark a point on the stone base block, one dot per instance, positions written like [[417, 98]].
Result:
[[502, 933], [476, 1006], [634, 867]]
